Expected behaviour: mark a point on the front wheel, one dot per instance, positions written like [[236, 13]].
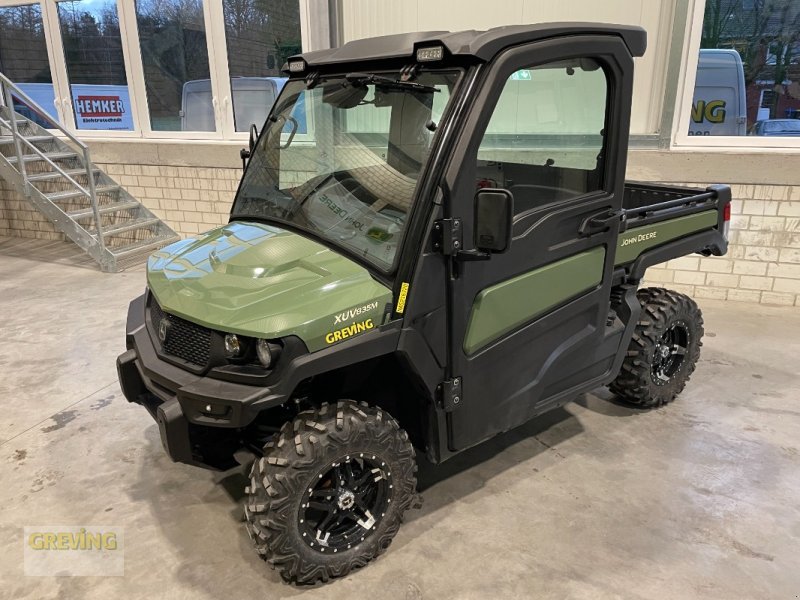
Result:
[[330, 492], [663, 351]]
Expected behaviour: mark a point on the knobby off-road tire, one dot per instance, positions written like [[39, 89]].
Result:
[[346, 458], [663, 351]]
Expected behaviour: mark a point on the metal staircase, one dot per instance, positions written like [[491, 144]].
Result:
[[63, 184]]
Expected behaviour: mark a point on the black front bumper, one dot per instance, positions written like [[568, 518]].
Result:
[[199, 417]]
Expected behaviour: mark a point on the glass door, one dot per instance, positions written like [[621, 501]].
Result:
[[175, 71], [25, 60], [95, 95]]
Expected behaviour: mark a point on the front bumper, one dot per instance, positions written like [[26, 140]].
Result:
[[199, 418]]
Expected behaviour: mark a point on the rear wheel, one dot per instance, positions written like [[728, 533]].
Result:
[[663, 351], [330, 492]]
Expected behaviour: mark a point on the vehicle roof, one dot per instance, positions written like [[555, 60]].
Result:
[[482, 45], [724, 58]]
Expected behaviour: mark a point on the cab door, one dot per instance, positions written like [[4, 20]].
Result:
[[530, 328]]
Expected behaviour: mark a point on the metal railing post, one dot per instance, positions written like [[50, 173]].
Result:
[[93, 196], [9, 101]]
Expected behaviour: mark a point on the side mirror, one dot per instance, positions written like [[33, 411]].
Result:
[[246, 153], [494, 211], [253, 137]]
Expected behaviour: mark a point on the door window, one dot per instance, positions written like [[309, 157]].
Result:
[[545, 139]]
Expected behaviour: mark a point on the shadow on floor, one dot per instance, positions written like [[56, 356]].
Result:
[[603, 402], [470, 470], [161, 484], [49, 251]]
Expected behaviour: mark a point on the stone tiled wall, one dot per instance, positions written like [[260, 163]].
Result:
[[190, 199], [18, 218], [763, 260]]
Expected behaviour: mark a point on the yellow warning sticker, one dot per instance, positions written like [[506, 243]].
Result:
[[401, 299]]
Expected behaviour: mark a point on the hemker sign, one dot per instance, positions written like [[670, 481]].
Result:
[[102, 107]]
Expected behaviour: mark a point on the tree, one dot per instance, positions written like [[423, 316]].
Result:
[[716, 22]]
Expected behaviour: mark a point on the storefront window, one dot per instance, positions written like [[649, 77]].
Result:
[[23, 58], [260, 36], [748, 72], [172, 36], [90, 87], [95, 64]]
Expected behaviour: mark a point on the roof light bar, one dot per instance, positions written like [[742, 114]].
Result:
[[430, 54], [297, 65]]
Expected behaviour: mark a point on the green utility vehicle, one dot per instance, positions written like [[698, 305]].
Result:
[[432, 243]]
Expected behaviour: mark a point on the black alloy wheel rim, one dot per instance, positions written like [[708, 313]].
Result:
[[670, 352], [346, 503]]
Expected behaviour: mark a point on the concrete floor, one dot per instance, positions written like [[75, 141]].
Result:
[[697, 500]]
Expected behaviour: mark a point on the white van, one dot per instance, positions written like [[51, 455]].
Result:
[[253, 98], [719, 106]]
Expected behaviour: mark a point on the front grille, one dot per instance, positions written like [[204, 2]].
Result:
[[185, 340]]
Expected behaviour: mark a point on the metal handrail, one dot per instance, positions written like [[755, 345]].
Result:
[[91, 193], [43, 156], [6, 97], [40, 111]]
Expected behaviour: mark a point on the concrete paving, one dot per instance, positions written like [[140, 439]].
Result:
[[700, 499]]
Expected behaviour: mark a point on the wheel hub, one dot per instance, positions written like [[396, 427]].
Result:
[[669, 353], [346, 500], [345, 503]]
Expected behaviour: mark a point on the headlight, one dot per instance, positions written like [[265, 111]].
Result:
[[267, 352], [233, 347]]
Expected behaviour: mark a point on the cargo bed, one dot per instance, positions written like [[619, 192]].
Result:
[[660, 222]]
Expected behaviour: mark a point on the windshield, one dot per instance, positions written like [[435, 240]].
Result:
[[341, 160]]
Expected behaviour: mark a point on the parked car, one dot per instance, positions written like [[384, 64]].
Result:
[[781, 127], [253, 97]]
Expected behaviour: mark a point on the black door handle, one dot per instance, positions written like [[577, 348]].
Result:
[[600, 222]]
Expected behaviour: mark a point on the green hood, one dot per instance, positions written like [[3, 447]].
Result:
[[263, 281]]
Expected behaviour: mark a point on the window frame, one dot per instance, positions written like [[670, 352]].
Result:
[[681, 140], [221, 66], [140, 84], [602, 167], [216, 45], [51, 52], [60, 75]]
